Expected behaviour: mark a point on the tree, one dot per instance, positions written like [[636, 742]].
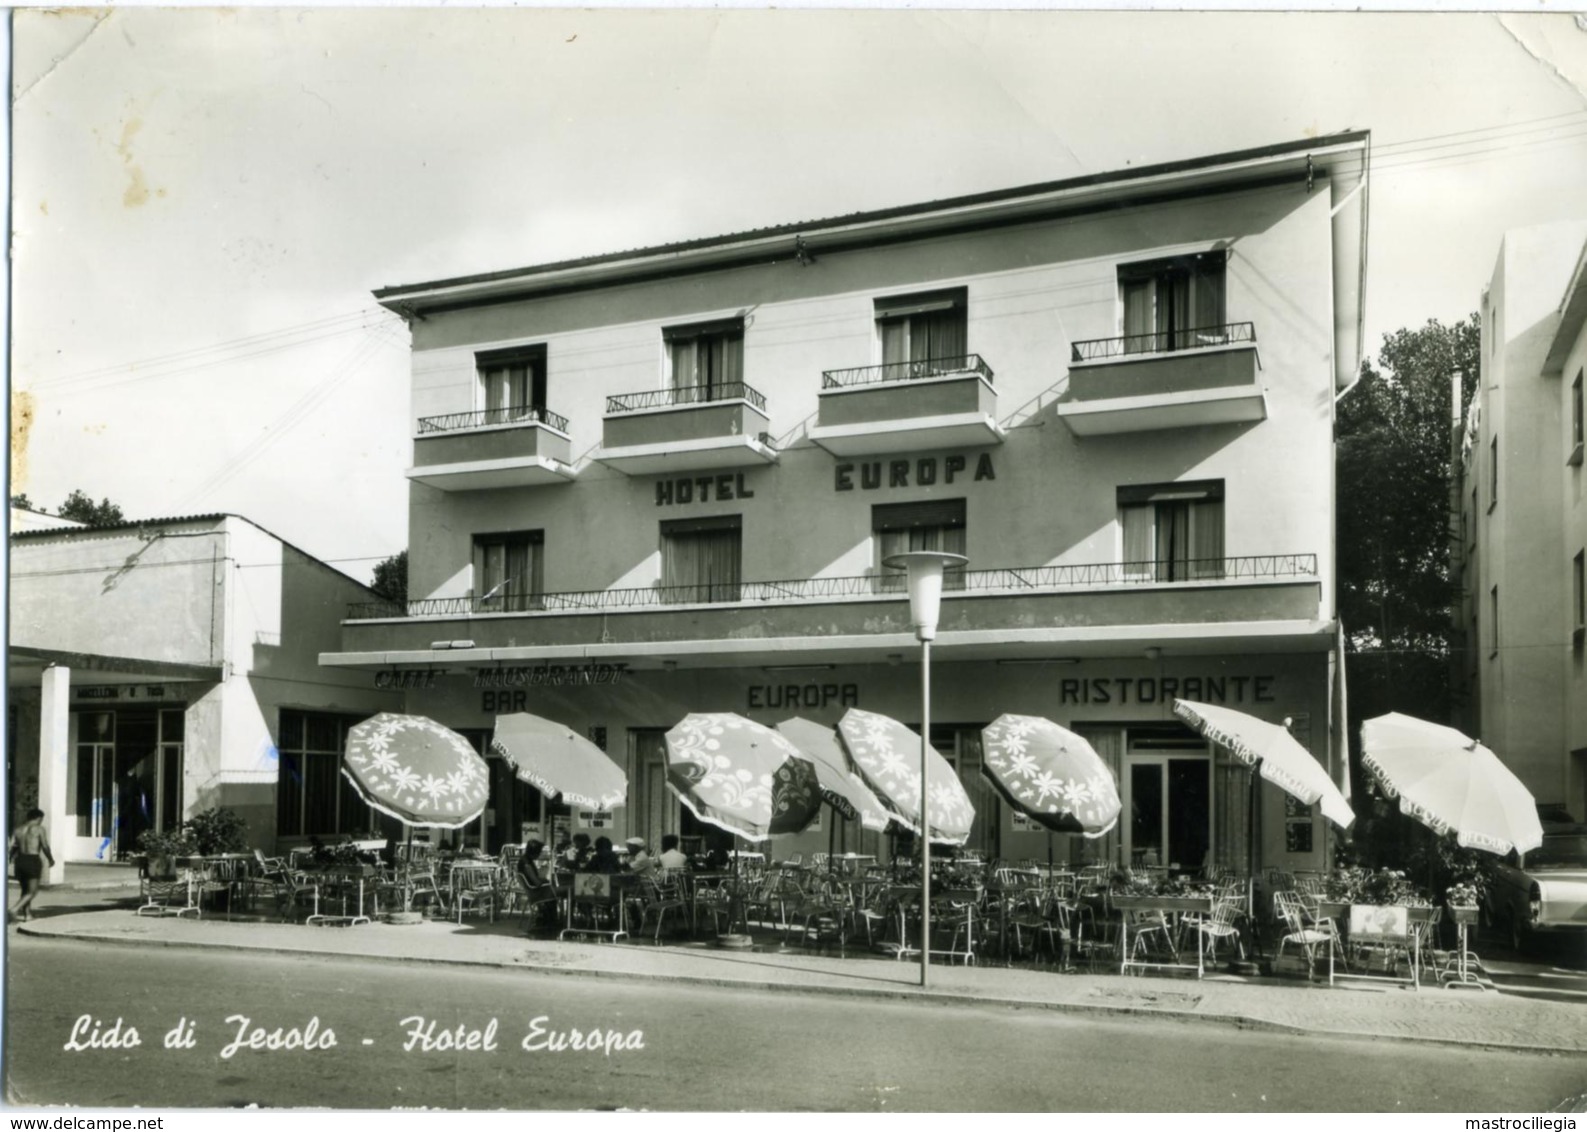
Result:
[[83, 509], [1394, 475], [22, 502], [391, 577]]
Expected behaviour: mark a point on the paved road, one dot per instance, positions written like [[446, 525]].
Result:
[[703, 1048]]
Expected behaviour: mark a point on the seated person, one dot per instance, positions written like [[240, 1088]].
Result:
[[671, 856], [577, 855], [604, 859], [640, 862]]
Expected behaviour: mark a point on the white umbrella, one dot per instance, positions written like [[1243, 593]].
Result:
[[1450, 783], [1272, 752]]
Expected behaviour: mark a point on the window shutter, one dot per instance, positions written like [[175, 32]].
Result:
[[927, 513]]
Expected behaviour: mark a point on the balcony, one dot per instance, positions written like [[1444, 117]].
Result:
[[693, 428], [1143, 382], [1234, 597], [907, 407], [518, 446]]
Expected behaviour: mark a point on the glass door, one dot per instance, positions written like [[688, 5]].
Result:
[[1168, 803]]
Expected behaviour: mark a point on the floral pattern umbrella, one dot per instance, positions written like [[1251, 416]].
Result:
[[841, 788], [559, 762], [1450, 783], [1275, 753], [416, 770], [741, 775], [887, 756], [1050, 774]]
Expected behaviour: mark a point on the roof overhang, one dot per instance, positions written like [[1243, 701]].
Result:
[[1022, 645], [1572, 317], [1340, 160], [20, 657]]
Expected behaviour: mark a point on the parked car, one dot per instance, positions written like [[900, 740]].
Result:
[[1544, 892]]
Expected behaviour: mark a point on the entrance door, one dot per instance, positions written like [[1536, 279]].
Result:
[[1169, 802]]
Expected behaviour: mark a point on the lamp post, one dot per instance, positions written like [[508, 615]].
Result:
[[925, 569]]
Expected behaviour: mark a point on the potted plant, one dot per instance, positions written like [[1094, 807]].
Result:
[[161, 848], [217, 830]]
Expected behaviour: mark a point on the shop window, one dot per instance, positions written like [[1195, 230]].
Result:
[[937, 524], [923, 334], [706, 360], [313, 799], [1173, 304], [1172, 532], [509, 571], [512, 383], [701, 559]]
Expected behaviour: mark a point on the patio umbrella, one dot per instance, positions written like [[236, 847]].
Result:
[[1272, 752], [417, 771], [841, 788], [1450, 783], [887, 756], [1051, 775], [741, 776], [559, 762]]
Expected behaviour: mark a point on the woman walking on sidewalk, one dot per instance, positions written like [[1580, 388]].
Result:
[[30, 848]]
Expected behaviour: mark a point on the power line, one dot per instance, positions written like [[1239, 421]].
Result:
[[280, 338]]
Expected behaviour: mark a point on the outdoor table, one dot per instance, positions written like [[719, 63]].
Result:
[[345, 883], [594, 891], [215, 873], [1169, 905], [1417, 917], [907, 897]]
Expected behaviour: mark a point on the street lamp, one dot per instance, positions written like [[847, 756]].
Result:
[[925, 569]]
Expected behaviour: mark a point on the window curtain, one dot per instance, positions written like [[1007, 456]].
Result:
[[1231, 791], [1173, 541], [983, 796], [939, 337], [1108, 742], [708, 363], [1136, 522], [948, 539], [1139, 314], [1207, 301], [1206, 538], [701, 565], [508, 575]]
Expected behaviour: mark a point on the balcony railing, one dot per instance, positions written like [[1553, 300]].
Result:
[[1163, 342], [905, 371], [1014, 579], [512, 414], [686, 395]]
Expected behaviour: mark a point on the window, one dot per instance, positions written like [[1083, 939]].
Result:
[[1493, 473], [936, 524], [1576, 419], [1493, 617], [1172, 532], [701, 559], [706, 359], [1173, 304], [923, 334], [312, 797], [1579, 597], [509, 571], [512, 383]]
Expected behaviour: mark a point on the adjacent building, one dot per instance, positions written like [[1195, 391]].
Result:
[[159, 668], [1522, 551], [664, 480]]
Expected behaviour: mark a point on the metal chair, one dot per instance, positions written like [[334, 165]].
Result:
[[1292, 913]]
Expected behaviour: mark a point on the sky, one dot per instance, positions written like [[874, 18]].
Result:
[[203, 199]]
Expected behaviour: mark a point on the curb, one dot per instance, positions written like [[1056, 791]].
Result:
[[897, 994]]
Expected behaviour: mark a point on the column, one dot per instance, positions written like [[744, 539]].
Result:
[[54, 762]]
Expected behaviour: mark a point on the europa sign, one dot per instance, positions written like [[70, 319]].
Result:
[[923, 472]]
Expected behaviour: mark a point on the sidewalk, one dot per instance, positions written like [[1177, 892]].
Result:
[[1363, 1010]]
